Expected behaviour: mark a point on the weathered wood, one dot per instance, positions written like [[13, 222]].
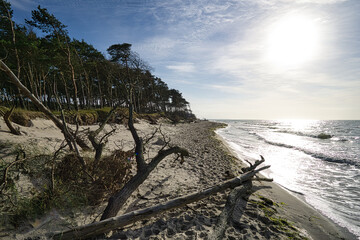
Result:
[[119, 199], [253, 166], [99, 145], [94, 229], [139, 145], [7, 120], [143, 170], [225, 215]]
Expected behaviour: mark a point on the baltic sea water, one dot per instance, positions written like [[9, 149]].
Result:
[[318, 159]]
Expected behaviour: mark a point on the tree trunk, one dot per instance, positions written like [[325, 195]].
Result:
[[118, 200], [7, 120], [226, 214], [143, 170], [37, 103], [68, 100], [21, 100], [107, 225], [72, 77], [99, 86]]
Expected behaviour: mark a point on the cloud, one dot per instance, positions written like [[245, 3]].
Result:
[[213, 52], [24, 5], [185, 67], [274, 2]]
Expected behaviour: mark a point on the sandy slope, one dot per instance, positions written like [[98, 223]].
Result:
[[210, 163]]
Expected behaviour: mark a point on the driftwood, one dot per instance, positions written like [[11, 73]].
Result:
[[104, 226], [253, 166], [143, 170], [7, 120], [225, 215], [99, 145]]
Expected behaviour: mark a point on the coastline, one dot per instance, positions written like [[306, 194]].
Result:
[[211, 161], [297, 210]]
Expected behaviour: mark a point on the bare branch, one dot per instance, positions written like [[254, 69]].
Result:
[[62, 146], [253, 166], [8, 121], [148, 139], [139, 147], [94, 229]]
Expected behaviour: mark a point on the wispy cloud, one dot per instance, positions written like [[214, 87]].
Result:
[[186, 67], [24, 5], [214, 51]]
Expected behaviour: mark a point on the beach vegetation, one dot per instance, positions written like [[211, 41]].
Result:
[[276, 222], [34, 181]]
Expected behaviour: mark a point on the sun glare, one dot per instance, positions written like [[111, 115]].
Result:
[[292, 41]]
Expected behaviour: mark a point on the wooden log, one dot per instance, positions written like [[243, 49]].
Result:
[[8, 122], [95, 229], [225, 215], [253, 166]]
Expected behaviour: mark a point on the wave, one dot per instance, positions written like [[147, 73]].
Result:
[[290, 190], [319, 136], [317, 155]]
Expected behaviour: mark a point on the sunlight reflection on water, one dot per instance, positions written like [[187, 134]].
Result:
[[320, 159]]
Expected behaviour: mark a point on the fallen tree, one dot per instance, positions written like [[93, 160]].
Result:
[[104, 226], [143, 169], [8, 122], [242, 191]]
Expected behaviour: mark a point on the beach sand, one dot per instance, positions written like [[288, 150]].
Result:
[[211, 161]]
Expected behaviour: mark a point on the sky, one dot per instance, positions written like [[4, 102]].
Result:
[[233, 59]]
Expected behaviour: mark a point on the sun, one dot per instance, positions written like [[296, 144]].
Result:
[[292, 41]]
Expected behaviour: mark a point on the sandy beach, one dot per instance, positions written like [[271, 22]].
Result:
[[211, 161]]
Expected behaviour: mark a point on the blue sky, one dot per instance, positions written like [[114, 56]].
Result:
[[235, 59]]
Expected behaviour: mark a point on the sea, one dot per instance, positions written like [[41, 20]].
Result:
[[317, 160]]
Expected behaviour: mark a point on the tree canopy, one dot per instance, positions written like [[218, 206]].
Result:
[[71, 73]]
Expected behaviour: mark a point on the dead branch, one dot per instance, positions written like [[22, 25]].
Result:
[[94, 229], [3, 182], [148, 139], [225, 215], [118, 199], [62, 146], [99, 145], [143, 170], [139, 146], [253, 166], [9, 123], [66, 131]]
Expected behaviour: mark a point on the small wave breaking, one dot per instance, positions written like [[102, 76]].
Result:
[[319, 136], [317, 155]]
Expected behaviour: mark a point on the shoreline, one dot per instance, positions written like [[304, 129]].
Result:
[[211, 161], [301, 212]]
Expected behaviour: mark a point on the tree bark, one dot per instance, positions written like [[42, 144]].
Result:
[[107, 225], [143, 170], [225, 215], [99, 145], [119, 199], [7, 120]]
